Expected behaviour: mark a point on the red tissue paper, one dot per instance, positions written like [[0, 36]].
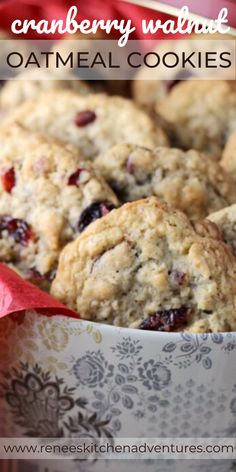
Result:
[[17, 296]]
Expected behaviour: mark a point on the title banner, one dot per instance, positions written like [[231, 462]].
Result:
[[103, 60]]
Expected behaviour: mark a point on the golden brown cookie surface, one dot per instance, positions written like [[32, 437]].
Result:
[[145, 266]]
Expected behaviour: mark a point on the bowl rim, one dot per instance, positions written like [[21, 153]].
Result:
[[143, 334]]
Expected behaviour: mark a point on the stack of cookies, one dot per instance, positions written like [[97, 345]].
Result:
[[124, 220]]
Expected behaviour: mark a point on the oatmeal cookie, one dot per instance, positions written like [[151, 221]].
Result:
[[225, 220], [144, 265], [48, 195], [186, 180], [93, 122], [228, 161], [202, 113], [30, 84]]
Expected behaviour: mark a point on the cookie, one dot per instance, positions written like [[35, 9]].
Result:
[[48, 195], [145, 266], [31, 83], [93, 122], [228, 161], [152, 85], [186, 180], [202, 114], [225, 220]]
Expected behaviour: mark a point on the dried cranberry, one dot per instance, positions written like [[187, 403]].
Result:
[[74, 178], [180, 77], [84, 118], [180, 277], [8, 180], [34, 275], [93, 212], [130, 167], [177, 278], [18, 229], [41, 280], [166, 320]]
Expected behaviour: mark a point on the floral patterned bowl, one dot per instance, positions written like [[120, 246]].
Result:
[[72, 378]]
